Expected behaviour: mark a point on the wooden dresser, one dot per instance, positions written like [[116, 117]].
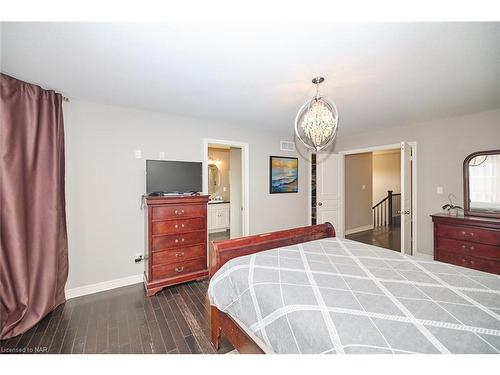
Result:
[[176, 241], [468, 241]]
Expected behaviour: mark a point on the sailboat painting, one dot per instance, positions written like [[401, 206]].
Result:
[[283, 175]]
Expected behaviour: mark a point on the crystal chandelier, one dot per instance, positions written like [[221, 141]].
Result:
[[316, 121]]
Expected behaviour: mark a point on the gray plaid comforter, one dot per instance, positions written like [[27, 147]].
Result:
[[339, 296]]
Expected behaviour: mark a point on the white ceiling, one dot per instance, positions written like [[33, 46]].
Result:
[[379, 75]]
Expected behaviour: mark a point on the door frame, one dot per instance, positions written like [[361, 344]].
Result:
[[414, 215], [245, 173]]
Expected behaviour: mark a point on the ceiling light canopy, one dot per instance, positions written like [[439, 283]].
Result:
[[316, 121]]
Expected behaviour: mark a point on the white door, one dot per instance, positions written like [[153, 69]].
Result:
[[329, 179], [406, 201], [235, 192]]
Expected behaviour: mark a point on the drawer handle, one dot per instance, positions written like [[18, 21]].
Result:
[[176, 226], [179, 255], [468, 261], [179, 269], [465, 234], [178, 212], [177, 240], [182, 225], [471, 248], [182, 239]]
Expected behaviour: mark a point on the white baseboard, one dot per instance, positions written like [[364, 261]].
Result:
[[359, 229], [210, 231], [423, 256], [105, 285]]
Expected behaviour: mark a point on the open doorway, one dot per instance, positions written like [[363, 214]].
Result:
[[373, 198], [328, 191], [225, 181], [394, 208]]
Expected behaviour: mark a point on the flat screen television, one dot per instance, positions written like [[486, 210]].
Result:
[[168, 176]]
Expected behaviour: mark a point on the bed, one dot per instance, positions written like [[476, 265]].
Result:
[[304, 290]]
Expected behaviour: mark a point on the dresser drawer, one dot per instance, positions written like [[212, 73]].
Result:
[[485, 265], [177, 226], [178, 240], [472, 234], [179, 254], [178, 212], [179, 269], [468, 248]]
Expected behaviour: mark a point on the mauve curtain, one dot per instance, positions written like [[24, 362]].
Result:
[[33, 241]]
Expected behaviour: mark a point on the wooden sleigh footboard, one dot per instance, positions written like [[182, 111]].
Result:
[[225, 250]]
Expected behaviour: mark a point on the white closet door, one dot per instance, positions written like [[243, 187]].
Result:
[[329, 179]]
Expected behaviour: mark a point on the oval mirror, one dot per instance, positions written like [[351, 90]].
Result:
[[213, 179], [482, 183]]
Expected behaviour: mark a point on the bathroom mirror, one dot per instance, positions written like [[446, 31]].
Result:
[[213, 179], [482, 184]]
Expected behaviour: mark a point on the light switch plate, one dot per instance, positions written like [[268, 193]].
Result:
[[162, 154], [439, 190], [138, 154]]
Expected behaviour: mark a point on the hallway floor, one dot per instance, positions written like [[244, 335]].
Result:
[[388, 237]]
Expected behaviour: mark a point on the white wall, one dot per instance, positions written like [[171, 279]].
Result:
[[358, 191], [442, 146], [386, 174], [236, 187], [104, 182]]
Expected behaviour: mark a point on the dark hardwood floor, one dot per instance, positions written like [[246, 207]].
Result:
[[388, 237], [124, 320]]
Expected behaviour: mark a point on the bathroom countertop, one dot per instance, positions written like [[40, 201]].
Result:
[[217, 202]]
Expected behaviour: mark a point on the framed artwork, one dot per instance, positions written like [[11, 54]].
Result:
[[283, 174]]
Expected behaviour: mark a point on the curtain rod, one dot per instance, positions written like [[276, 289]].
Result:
[[65, 99]]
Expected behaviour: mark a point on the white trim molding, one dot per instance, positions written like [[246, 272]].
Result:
[[102, 286], [358, 229], [417, 254]]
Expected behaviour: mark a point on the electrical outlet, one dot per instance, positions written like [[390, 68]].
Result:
[[439, 190], [138, 154]]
